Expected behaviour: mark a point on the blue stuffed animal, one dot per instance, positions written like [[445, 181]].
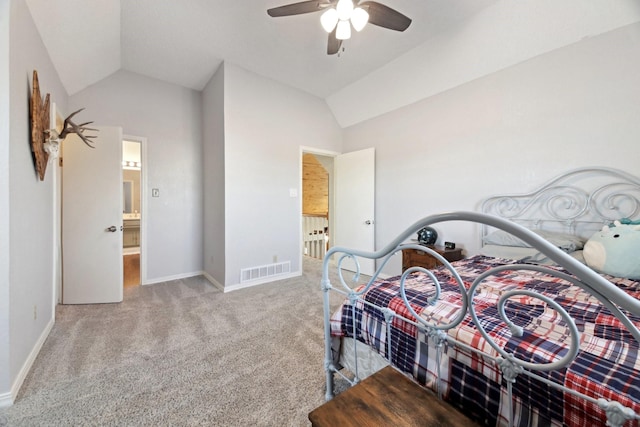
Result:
[[615, 250]]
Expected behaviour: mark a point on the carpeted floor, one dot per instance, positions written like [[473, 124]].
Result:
[[182, 353]]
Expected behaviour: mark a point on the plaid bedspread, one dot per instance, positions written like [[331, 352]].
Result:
[[607, 364]]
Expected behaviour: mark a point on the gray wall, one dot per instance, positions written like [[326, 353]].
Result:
[[505, 133], [265, 124], [5, 374], [31, 204], [170, 117], [214, 170]]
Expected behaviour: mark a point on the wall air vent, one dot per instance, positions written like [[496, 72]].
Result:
[[264, 271]]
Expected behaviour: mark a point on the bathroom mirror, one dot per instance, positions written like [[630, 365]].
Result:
[[127, 195]]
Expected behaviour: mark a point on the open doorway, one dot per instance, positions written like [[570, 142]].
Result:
[[131, 211], [317, 177], [351, 200]]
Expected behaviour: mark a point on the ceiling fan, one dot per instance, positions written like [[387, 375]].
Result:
[[340, 15]]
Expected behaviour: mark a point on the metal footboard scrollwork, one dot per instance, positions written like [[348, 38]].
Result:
[[493, 350]]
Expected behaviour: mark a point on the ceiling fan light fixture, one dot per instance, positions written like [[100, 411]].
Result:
[[359, 18], [338, 16], [343, 32], [344, 9], [329, 20]]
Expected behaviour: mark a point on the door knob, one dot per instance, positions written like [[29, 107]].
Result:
[[368, 222], [112, 229]]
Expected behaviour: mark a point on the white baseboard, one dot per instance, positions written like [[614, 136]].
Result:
[[7, 399], [218, 285], [261, 281], [174, 277], [213, 281]]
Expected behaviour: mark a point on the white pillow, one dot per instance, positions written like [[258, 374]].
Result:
[[564, 241], [523, 254]]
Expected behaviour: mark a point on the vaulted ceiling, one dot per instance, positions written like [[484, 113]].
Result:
[[184, 41]]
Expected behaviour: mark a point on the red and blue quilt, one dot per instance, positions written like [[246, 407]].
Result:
[[607, 365]]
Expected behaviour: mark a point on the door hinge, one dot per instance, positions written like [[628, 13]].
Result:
[[60, 161]]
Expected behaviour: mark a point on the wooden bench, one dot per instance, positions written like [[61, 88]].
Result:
[[387, 398]]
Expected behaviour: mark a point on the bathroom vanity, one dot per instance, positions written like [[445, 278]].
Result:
[[131, 231]]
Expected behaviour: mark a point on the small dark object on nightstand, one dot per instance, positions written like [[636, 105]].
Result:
[[427, 236]]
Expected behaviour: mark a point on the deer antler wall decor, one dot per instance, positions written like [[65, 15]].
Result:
[[45, 140], [69, 127], [39, 111]]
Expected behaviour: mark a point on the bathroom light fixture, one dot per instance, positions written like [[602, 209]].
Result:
[[342, 17], [129, 164]]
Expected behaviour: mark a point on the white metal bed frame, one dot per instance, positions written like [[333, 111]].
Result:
[[565, 202]]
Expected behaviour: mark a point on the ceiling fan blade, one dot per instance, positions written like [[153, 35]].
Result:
[[333, 46], [298, 8], [384, 16]]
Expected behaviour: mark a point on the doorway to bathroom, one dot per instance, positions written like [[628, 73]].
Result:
[[132, 212]]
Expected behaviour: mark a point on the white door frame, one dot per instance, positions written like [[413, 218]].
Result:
[[57, 217], [143, 203], [55, 113], [319, 152], [332, 204]]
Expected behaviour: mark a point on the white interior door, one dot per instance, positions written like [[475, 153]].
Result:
[[355, 204], [92, 219]]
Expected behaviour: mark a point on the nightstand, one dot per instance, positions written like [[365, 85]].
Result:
[[418, 258]]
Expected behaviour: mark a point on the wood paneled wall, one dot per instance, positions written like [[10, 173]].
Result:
[[315, 187]]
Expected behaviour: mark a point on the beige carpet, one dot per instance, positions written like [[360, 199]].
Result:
[[182, 353]]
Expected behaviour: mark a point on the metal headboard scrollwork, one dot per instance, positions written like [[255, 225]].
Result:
[[578, 202]]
